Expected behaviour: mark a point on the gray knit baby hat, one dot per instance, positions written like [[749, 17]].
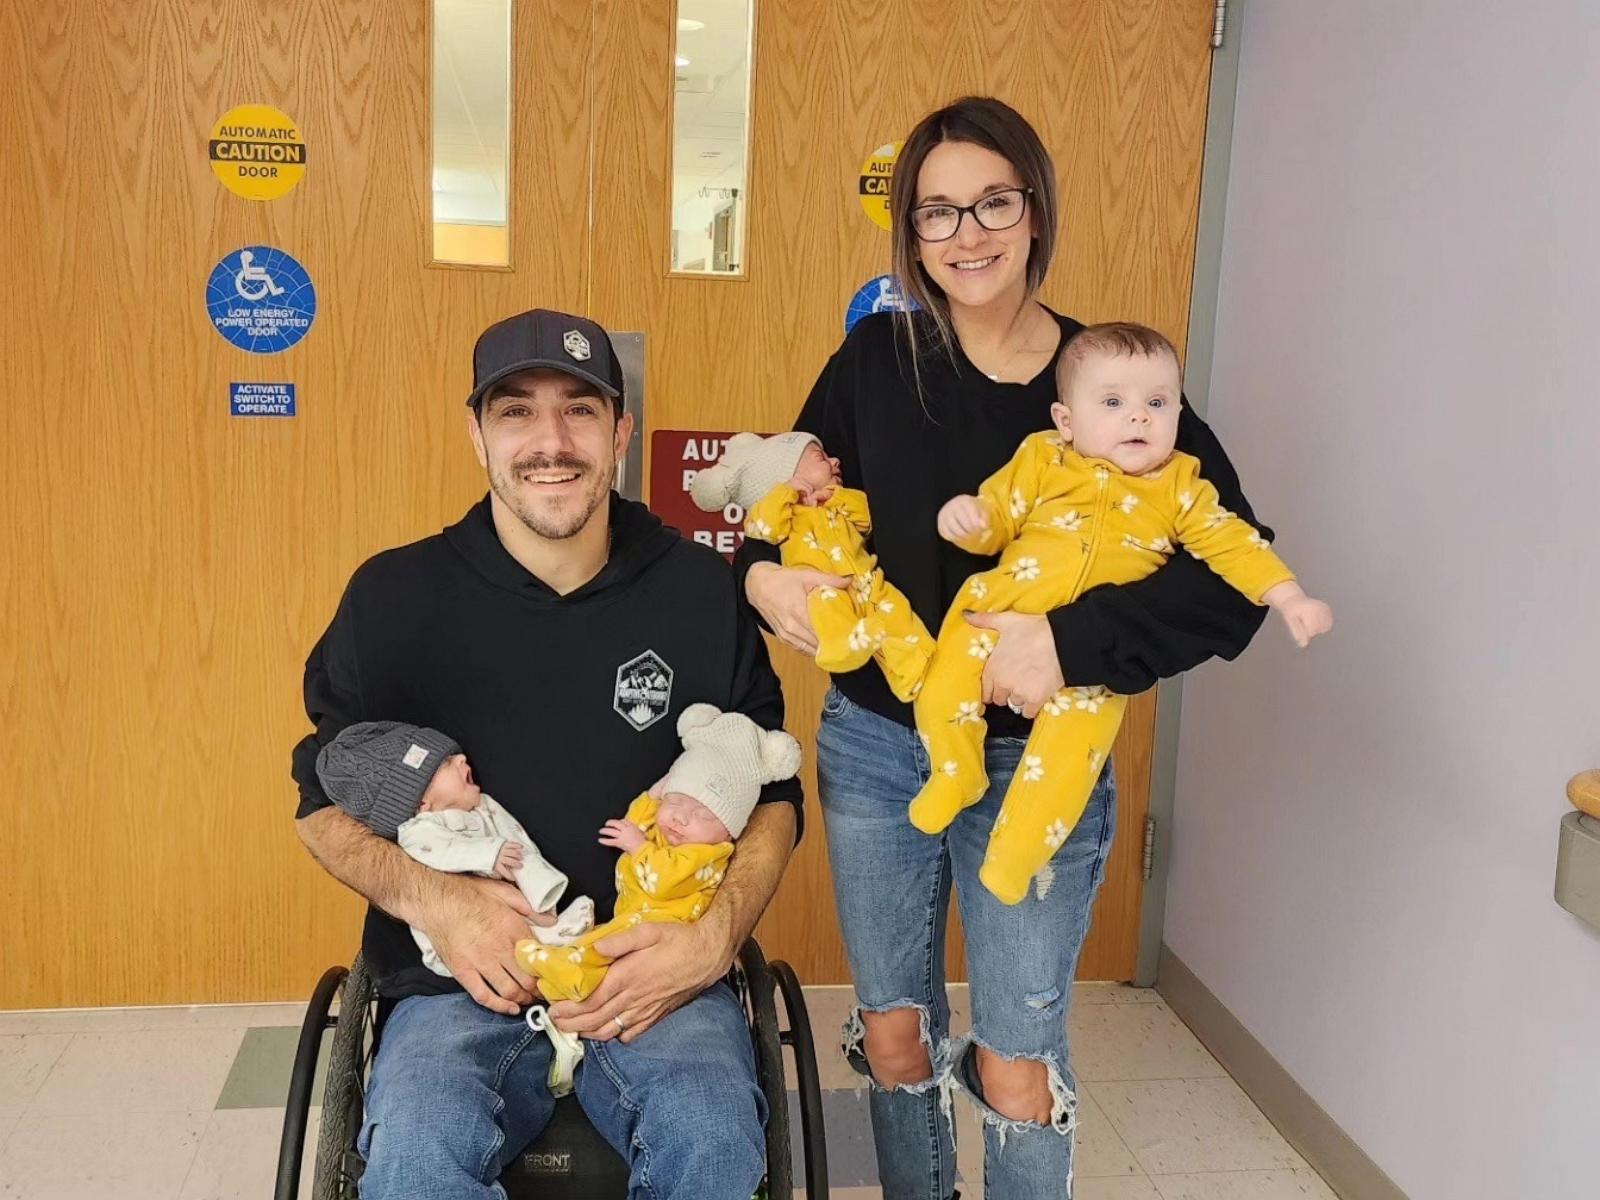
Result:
[[749, 468], [377, 771]]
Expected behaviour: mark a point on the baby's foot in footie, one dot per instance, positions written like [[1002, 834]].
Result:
[[575, 920]]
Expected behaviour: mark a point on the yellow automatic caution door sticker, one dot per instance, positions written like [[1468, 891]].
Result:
[[256, 152], [875, 175]]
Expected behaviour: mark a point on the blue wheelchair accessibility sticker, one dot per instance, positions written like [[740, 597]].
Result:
[[261, 300], [882, 294]]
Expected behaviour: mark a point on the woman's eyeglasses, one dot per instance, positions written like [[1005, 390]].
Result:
[[996, 211]]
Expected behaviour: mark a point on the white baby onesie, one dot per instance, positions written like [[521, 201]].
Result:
[[467, 842]]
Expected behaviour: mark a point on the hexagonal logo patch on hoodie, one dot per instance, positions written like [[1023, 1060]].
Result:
[[644, 690]]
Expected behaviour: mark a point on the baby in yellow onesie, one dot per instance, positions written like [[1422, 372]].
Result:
[[789, 489], [1102, 498], [675, 841]]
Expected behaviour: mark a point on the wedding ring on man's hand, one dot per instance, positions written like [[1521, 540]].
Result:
[[621, 1028], [1014, 706]]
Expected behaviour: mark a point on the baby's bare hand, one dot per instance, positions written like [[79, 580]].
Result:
[[509, 861], [962, 517], [621, 835], [1307, 618]]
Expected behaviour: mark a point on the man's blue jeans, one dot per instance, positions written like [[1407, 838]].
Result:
[[457, 1092]]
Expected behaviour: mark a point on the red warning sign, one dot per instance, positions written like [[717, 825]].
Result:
[[676, 456]]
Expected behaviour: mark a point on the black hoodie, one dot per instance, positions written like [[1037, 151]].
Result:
[[566, 706]]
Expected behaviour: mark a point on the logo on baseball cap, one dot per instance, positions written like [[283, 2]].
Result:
[[542, 337]]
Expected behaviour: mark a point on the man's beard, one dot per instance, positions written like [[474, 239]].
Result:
[[555, 524]]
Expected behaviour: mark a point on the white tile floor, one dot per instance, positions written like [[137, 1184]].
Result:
[[1159, 1119], [238, 1151]]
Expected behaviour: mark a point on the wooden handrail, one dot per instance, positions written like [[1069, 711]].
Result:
[[1583, 789]]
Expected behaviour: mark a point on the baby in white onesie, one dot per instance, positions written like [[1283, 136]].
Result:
[[414, 785]]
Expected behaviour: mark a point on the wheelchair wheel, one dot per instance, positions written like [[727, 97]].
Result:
[[297, 1107], [759, 987], [341, 1100], [813, 1144], [337, 1170]]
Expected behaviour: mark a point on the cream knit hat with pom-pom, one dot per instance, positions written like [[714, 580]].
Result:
[[749, 468], [726, 758]]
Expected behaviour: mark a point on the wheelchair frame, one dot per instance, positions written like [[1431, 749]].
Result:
[[357, 1027]]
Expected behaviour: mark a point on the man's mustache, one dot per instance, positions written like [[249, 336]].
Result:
[[546, 462]]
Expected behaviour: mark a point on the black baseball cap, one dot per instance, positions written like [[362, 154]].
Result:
[[542, 337]]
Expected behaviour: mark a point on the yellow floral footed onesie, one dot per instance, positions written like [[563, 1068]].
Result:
[[869, 619], [656, 882], [1062, 524]]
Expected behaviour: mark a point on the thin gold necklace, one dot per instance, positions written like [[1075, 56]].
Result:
[[994, 375]]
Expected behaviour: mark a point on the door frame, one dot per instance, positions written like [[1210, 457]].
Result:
[[1215, 161]]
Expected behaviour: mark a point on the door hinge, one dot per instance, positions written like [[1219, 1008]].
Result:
[[1149, 846], [1219, 23]]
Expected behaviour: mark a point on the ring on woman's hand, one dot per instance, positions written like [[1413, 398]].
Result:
[[1015, 706], [621, 1028]]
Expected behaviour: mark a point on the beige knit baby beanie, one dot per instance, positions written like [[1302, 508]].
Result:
[[749, 468], [726, 758]]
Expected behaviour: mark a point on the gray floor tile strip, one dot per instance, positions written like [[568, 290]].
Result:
[[260, 1074]]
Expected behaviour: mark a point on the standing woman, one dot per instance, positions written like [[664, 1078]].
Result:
[[918, 408]]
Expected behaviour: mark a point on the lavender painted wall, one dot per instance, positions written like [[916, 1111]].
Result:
[[1406, 375]]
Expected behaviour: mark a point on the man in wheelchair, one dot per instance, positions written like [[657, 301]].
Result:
[[558, 632]]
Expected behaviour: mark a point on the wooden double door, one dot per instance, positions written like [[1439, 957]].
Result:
[[169, 565]]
